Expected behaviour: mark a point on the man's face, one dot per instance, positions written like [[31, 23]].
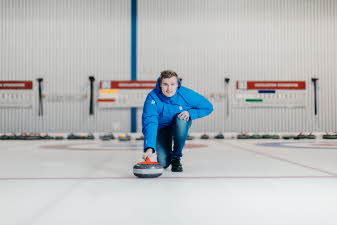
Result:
[[169, 86]]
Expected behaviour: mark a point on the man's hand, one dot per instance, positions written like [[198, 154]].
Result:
[[147, 153], [185, 115]]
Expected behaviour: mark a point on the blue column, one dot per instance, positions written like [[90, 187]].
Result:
[[133, 58]]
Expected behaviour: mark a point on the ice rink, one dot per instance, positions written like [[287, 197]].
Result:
[[232, 182]]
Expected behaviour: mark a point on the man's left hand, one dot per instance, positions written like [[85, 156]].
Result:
[[185, 115]]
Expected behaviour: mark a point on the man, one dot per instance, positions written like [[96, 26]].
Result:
[[167, 115]]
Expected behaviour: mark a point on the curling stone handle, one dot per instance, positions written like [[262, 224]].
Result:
[[148, 160]]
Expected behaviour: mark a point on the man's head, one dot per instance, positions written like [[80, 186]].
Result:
[[168, 82]]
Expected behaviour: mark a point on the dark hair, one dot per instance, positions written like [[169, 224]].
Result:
[[167, 74]]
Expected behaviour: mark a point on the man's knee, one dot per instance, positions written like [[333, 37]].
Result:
[[182, 126], [181, 122]]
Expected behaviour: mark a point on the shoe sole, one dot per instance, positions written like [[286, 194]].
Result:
[[177, 171]]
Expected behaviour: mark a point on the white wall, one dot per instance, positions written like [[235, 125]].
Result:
[[206, 41], [65, 41]]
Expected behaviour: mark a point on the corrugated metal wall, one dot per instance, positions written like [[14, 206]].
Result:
[[65, 41], [206, 41]]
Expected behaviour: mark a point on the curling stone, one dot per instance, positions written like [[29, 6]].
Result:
[[147, 169], [255, 136], [12, 136], [107, 137], [287, 137], [275, 136], [46, 137], [204, 136], [266, 136], [310, 136], [124, 137], [140, 138], [243, 136], [3, 137], [72, 136], [219, 136], [9, 136], [329, 136], [189, 137], [90, 136], [299, 136], [59, 137]]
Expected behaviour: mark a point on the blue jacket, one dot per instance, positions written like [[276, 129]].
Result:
[[159, 110]]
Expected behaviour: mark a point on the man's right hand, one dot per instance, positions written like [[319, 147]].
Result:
[[148, 153]]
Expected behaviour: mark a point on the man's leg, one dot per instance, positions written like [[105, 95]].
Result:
[[180, 131], [164, 146]]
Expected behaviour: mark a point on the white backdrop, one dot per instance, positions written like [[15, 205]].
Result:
[[204, 41]]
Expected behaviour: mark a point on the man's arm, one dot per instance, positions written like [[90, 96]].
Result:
[[201, 107], [150, 123]]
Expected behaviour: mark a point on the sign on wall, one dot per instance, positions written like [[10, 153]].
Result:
[[119, 94], [16, 94], [13, 85], [270, 94]]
